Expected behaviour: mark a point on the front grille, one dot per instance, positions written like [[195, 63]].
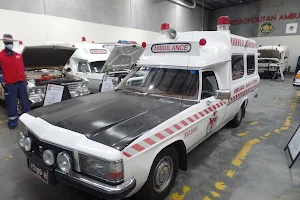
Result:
[[39, 146]]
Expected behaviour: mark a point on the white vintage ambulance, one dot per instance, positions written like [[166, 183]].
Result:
[[93, 61], [272, 58], [134, 139]]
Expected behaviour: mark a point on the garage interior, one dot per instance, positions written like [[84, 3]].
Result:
[[248, 162]]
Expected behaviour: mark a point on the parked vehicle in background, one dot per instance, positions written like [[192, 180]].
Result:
[[93, 61], [272, 58], [44, 65]]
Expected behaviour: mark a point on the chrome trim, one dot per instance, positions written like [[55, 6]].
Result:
[[76, 160], [101, 186]]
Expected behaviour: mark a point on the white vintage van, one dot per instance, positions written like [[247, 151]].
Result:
[[93, 61], [134, 139], [272, 58]]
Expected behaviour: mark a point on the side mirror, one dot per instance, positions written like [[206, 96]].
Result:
[[223, 94]]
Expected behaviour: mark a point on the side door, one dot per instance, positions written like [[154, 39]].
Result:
[[214, 108]]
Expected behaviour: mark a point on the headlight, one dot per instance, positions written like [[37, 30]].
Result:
[[37, 90], [48, 157], [64, 162], [111, 171], [22, 139], [27, 144], [22, 134], [32, 91]]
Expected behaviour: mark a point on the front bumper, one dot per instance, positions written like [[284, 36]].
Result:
[[296, 86], [82, 182]]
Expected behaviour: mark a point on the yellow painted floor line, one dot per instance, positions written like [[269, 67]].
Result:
[[230, 173], [206, 198], [262, 137], [243, 153], [215, 194], [253, 123], [220, 185], [177, 196], [267, 134], [277, 131], [242, 134]]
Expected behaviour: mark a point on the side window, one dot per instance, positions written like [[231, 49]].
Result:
[[83, 67], [237, 65], [209, 84], [250, 64]]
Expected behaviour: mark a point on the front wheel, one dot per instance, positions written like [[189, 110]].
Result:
[[237, 120], [162, 176]]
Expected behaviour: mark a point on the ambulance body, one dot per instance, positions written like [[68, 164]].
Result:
[[185, 87], [272, 58]]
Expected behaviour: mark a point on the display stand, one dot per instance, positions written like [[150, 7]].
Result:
[[293, 147], [56, 93]]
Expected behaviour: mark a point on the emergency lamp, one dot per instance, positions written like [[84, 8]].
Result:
[[83, 39], [144, 44], [202, 42], [223, 23], [20, 42], [164, 26]]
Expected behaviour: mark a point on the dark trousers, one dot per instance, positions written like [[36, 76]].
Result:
[[12, 93]]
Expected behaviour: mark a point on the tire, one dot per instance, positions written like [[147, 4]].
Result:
[[100, 87], [237, 120], [151, 189]]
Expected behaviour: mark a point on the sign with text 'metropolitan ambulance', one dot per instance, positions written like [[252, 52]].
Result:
[[171, 48]]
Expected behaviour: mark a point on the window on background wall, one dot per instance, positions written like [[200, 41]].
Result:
[[250, 64], [237, 66]]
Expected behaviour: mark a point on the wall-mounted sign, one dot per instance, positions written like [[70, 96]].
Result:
[[291, 28], [265, 18], [171, 48], [266, 28], [98, 51]]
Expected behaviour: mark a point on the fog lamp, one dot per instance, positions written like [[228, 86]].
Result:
[[27, 143], [48, 157]]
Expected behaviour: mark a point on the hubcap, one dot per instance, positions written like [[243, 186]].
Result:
[[163, 174]]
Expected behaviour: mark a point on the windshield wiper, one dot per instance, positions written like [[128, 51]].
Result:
[[132, 89]]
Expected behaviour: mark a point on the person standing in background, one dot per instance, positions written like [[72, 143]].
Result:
[[12, 72]]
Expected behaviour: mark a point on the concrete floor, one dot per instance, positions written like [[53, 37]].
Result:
[[261, 172]]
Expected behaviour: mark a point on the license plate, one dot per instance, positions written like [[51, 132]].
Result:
[[39, 172]]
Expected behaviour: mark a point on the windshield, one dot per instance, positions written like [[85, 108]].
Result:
[[173, 83], [269, 53], [96, 67]]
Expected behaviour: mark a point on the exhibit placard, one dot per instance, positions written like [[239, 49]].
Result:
[[54, 94], [109, 83], [293, 146]]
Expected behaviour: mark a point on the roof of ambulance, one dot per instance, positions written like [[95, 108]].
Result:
[[279, 48], [218, 49]]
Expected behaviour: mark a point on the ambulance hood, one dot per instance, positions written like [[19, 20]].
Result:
[[46, 56], [122, 57], [111, 118]]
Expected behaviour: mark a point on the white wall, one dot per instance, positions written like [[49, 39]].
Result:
[[292, 41], [35, 29]]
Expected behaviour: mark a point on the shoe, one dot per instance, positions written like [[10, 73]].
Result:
[[12, 127]]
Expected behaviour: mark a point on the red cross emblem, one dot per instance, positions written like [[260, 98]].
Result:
[[212, 121]]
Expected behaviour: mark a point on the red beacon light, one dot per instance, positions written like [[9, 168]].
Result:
[[73, 45], [223, 23], [144, 44], [202, 42], [93, 42], [279, 45], [20, 42], [164, 26], [83, 39]]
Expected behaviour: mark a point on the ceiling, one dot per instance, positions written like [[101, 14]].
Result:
[[217, 4]]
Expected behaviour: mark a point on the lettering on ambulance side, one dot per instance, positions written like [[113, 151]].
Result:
[[98, 51], [171, 48]]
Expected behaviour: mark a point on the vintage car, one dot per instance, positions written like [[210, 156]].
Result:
[[134, 139], [271, 59], [44, 64], [93, 61]]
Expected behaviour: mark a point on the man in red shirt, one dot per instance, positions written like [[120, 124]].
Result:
[[12, 71]]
